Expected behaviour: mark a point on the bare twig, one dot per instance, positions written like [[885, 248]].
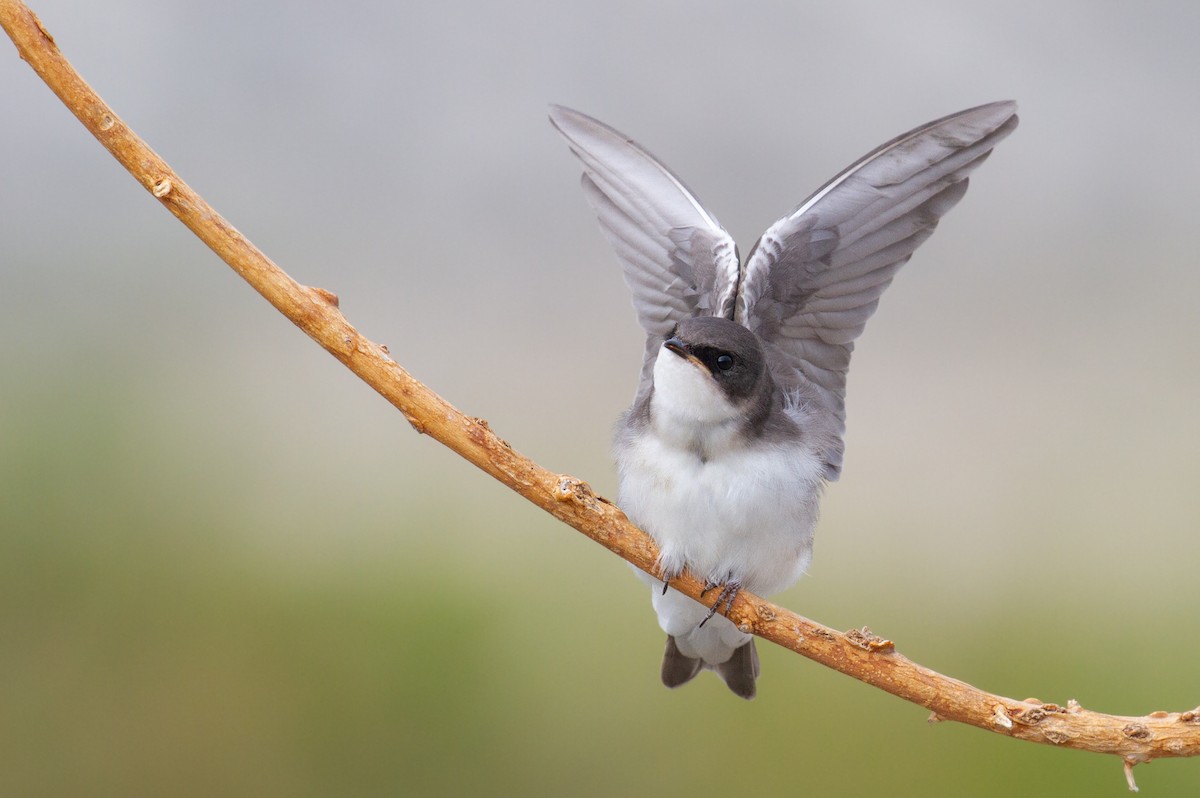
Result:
[[858, 653]]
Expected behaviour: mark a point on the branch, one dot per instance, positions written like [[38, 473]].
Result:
[[857, 653]]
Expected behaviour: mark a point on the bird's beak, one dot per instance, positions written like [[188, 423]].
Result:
[[678, 347]]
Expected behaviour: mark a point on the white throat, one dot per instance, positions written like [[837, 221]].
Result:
[[688, 407]]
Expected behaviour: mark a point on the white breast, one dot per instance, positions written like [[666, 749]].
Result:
[[729, 508], [745, 515]]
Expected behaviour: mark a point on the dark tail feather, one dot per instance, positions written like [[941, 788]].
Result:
[[739, 671], [676, 668]]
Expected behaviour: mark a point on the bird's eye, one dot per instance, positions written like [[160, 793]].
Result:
[[724, 362]]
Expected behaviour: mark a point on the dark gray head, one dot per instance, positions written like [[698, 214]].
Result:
[[730, 353]]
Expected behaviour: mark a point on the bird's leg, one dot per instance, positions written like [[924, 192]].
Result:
[[729, 591]]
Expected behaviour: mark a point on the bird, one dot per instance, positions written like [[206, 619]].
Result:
[[738, 420]]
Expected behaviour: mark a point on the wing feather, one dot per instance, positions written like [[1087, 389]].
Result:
[[814, 278], [677, 259]]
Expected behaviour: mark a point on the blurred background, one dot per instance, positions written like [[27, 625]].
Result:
[[227, 567]]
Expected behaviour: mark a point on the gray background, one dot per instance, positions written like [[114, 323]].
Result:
[[231, 568]]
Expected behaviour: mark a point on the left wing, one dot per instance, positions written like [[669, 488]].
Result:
[[815, 277]]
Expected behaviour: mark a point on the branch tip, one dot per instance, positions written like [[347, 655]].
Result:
[[1129, 776]]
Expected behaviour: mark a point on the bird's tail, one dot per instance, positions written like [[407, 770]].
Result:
[[739, 671]]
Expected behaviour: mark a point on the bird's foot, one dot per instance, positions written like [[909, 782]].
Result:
[[729, 591]]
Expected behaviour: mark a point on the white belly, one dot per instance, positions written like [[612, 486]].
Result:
[[745, 515]]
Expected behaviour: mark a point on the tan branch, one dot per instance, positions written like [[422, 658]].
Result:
[[858, 653]]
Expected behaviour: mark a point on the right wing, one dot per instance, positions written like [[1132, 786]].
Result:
[[678, 260]]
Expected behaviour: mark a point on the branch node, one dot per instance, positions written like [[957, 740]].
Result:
[[867, 640], [764, 612], [570, 489], [1000, 717], [161, 188], [321, 295], [481, 433], [1029, 717], [1056, 736], [42, 30], [107, 122], [1039, 712], [1137, 731], [934, 718]]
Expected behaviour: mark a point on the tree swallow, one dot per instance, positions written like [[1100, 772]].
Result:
[[739, 415]]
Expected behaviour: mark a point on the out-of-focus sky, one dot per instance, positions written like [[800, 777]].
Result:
[[1019, 502]]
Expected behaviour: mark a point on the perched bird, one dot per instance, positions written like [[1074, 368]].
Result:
[[739, 416]]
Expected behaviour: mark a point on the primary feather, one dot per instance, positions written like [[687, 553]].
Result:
[[814, 278]]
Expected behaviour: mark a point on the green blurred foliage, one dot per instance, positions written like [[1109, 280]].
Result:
[[147, 649]]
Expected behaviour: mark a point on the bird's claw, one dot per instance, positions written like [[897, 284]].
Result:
[[729, 591], [666, 575]]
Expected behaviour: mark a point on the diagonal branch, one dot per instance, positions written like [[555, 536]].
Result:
[[857, 653]]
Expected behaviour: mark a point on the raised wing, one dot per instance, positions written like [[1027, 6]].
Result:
[[815, 277], [678, 260]]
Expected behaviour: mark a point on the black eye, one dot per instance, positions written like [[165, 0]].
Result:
[[724, 362]]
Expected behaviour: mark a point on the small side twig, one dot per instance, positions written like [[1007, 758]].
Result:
[[859, 653]]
